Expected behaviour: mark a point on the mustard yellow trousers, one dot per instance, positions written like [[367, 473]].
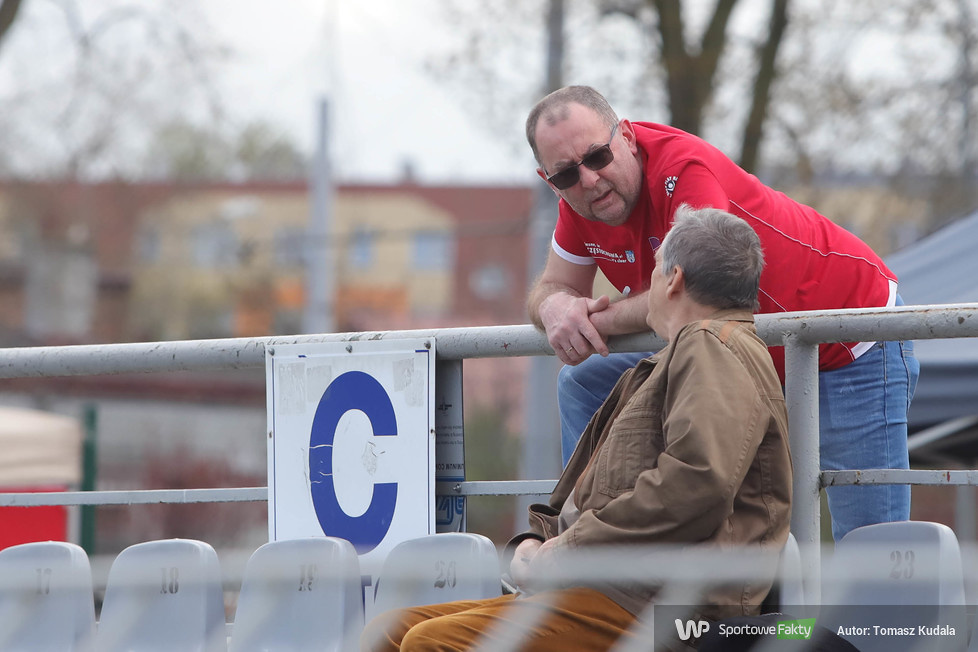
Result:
[[550, 621]]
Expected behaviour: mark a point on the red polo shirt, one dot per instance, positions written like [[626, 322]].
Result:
[[810, 262]]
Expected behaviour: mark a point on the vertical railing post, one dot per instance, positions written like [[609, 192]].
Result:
[[801, 396], [89, 477], [449, 443]]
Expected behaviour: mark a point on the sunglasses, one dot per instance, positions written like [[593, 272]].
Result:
[[596, 160]]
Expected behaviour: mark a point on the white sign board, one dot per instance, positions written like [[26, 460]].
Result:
[[351, 449]]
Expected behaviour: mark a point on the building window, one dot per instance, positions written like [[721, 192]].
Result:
[[148, 245], [210, 321], [489, 282], [290, 245], [433, 250], [215, 245], [241, 207], [361, 251], [288, 321]]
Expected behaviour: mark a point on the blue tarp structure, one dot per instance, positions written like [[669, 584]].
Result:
[[942, 268]]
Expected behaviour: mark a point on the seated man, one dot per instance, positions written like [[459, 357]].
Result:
[[690, 447]]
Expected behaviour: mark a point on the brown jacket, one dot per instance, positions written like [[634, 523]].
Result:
[[691, 447]]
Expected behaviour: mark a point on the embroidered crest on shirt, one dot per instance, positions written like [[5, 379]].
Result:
[[671, 185], [630, 255]]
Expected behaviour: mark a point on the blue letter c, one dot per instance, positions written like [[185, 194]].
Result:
[[353, 390]]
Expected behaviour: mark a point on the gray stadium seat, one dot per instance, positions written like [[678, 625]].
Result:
[[790, 587], [164, 595], [300, 594], [895, 575], [46, 600], [438, 568]]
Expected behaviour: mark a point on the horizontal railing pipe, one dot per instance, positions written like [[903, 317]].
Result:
[[931, 477], [864, 324], [135, 497]]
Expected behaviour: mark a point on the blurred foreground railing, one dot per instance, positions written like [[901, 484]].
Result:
[[800, 333]]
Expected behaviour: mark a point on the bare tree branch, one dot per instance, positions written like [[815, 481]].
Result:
[[711, 47], [761, 97], [8, 13]]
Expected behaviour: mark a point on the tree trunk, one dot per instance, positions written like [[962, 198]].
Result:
[[689, 77], [761, 98]]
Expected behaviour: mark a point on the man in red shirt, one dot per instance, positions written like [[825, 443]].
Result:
[[619, 184]]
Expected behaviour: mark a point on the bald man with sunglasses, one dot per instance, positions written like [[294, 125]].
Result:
[[619, 184]]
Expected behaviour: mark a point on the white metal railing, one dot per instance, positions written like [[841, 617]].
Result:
[[799, 332]]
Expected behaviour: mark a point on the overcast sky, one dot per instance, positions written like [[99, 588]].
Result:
[[388, 112], [369, 56], [284, 58]]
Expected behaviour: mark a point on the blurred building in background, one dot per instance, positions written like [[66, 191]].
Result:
[[115, 262], [136, 262]]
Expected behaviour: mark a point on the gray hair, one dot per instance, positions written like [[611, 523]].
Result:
[[553, 109], [720, 255]]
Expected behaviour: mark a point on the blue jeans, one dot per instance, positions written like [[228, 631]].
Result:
[[862, 422], [862, 413], [582, 389]]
